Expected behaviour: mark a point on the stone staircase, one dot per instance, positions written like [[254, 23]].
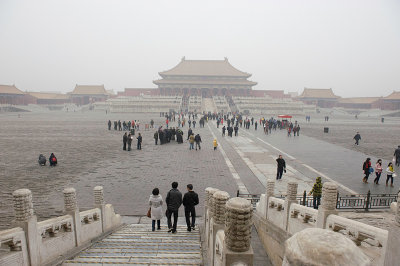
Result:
[[208, 105], [136, 244]]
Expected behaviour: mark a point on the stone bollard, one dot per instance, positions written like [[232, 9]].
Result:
[[269, 193], [218, 220], [238, 224], [328, 204], [392, 254], [99, 203], [316, 246], [71, 208], [25, 218], [290, 198], [208, 213]]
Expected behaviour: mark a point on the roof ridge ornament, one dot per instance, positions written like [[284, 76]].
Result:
[[226, 59], [183, 58]]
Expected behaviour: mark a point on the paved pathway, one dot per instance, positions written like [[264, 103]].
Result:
[[306, 158]]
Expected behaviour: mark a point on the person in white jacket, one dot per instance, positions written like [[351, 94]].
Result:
[[155, 203]]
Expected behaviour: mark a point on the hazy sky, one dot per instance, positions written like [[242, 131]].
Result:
[[350, 46]]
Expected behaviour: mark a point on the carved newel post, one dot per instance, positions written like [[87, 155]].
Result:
[[238, 223], [99, 203], [25, 218], [268, 193], [328, 204], [290, 198], [71, 208], [315, 246], [392, 255], [218, 211]]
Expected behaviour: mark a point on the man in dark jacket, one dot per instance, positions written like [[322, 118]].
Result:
[[190, 200], [197, 139], [124, 141], [109, 124], [129, 141], [281, 167], [156, 137], [397, 156], [139, 142], [357, 138], [174, 201]]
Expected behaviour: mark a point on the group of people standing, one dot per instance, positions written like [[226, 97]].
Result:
[[127, 141], [174, 201]]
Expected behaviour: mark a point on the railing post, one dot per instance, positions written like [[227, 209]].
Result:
[[27, 220], [368, 200], [71, 208], [337, 201], [304, 198], [328, 204]]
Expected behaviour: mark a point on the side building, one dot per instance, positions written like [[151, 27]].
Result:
[[9, 94], [324, 98], [85, 94]]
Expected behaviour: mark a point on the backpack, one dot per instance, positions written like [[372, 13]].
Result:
[[54, 159]]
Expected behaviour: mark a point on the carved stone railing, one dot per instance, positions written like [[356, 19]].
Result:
[[55, 226], [15, 240], [276, 212], [301, 217], [277, 220], [46, 242], [356, 231]]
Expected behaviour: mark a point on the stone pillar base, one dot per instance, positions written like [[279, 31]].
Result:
[[237, 258]]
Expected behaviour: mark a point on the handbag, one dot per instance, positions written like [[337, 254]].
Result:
[[149, 213], [371, 170]]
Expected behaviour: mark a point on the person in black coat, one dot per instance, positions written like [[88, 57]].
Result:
[[174, 201], [197, 139], [129, 141], [190, 200], [109, 124], [139, 142], [42, 160], [124, 141], [281, 164], [357, 138]]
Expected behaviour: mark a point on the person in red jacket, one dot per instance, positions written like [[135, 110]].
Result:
[[366, 168]]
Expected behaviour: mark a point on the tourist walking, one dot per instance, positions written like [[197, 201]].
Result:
[[390, 174], [236, 130], [190, 200], [378, 171], [139, 142], [367, 169], [197, 139], [223, 131], [281, 165], [215, 144], [174, 201], [109, 124], [155, 202], [316, 191], [397, 156], [357, 138], [124, 141], [129, 141], [191, 142], [156, 137], [52, 160]]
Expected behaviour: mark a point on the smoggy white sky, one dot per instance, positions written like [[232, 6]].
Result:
[[352, 46]]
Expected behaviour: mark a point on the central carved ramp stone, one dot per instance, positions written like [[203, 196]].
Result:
[[136, 244]]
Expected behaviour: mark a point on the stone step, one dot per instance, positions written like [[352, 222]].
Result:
[[136, 244]]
